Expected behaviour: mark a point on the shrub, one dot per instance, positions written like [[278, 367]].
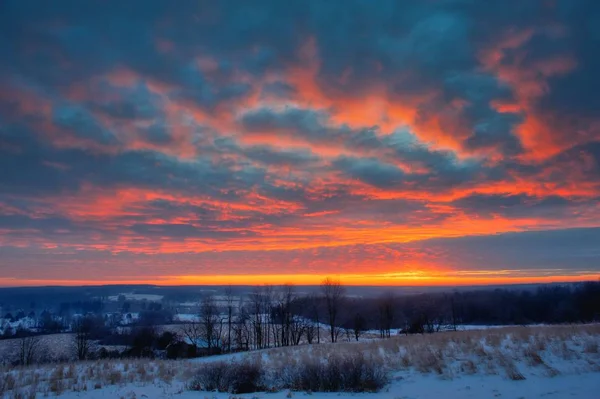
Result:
[[57, 386], [590, 347], [336, 373], [246, 377], [511, 369], [533, 357], [429, 359], [8, 384], [114, 377], [210, 377], [233, 377], [349, 373], [468, 367]]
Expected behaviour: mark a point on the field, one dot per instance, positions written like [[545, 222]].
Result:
[[513, 362]]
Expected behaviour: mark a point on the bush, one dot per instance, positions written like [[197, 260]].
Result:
[[210, 377], [350, 373], [233, 377], [336, 373], [104, 353], [181, 350]]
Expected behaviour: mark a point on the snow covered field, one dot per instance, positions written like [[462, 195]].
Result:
[[584, 386], [514, 362]]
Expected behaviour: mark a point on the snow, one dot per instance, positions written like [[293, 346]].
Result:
[[54, 346], [584, 386], [200, 343], [26, 323], [186, 317], [137, 297], [470, 327], [551, 362], [126, 320]]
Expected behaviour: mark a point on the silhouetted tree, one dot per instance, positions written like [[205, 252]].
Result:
[[333, 292], [386, 315], [229, 297], [359, 325], [211, 323], [82, 342], [29, 348]]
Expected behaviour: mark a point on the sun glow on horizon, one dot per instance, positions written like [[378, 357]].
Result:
[[417, 279]]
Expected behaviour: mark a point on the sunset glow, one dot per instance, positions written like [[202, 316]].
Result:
[[211, 143]]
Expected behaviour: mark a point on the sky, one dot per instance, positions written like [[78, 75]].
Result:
[[234, 142]]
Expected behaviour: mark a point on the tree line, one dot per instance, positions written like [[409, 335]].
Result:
[[275, 316]]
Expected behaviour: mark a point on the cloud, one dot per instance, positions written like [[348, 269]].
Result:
[[520, 205], [279, 89], [78, 122], [371, 171], [569, 249], [199, 127], [567, 254]]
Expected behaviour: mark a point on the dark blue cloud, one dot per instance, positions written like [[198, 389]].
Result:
[[75, 120], [520, 205], [136, 103], [279, 89], [372, 171], [565, 250], [158, 134], [38, 167], [572, 93], [233, 111], [409, 45]]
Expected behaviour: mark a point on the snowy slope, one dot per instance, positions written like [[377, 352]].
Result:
[[518, 362], [585, 386]]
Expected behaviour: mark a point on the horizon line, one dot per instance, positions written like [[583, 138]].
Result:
[[235, 281]]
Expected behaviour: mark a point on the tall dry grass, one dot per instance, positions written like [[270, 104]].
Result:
[[513, 352], [549, 350]]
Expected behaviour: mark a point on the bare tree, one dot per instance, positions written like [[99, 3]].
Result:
[[192, 330], [257, 317], [348, 333], [299, 326], [454, 319], [425, 318], [311, 331], [241, 328], [270, 330], [82, 342], [263, 325], [386, 315], [285, 313], [29, 348], [229, 298], [316, 317], [211, 323], [333, 291], [359, 325]]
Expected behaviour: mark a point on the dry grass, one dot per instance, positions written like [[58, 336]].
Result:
[[513, 352], [84, 376], [468, 367], [591, 347], [494, 351], [513, 372]]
